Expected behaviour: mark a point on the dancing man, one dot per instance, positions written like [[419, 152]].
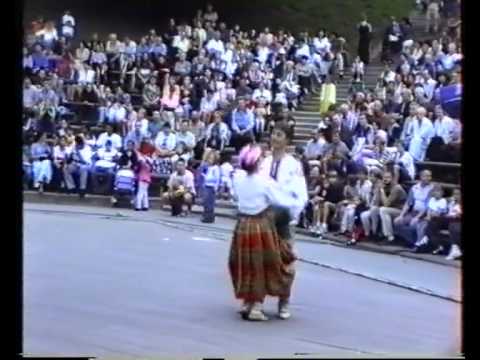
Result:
[[286, 171]]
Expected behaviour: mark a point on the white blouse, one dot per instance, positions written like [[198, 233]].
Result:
[[256, 193]]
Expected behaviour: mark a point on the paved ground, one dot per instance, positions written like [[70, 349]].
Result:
[[97, 284]]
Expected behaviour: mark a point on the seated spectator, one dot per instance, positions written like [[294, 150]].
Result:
[[82, 53], [336, 154], [124, 183], [242, 124], [437, 207], [183, 67], [79, 162], [332, 194], [260, 122], [208, 105], [359, 196], [128, 155], [106, 158], [135, 136], [166, 142], [410, 223], [185, 137], [115, 113], [316, 146], [358, 69], [61, 152], [41, 155], [155, 125], [262, 94], [387, 201], [403, 165], [89, 95], [455, 226], [151, 95], [181, 189], [444, 129], [217, 134], [110, 135]]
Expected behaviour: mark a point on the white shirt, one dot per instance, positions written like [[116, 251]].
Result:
[[303, 51], [407, 160], [59, 154], [438, 206], [86, 76], [256, 193], [116, 113], [183, 45], [429, 87], [262, 94], [105, 155], [444, 128], [322, 45], [114, 138], [263, 52], [215, 45], [208, 105], [166, 142], [66, 18], [188, 139], [291, 178]]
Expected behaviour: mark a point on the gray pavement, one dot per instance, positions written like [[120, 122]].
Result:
[[111, 286]]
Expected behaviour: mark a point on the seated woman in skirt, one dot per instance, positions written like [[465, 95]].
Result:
[[260, 263]]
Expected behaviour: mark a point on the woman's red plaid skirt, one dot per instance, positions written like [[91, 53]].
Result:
[[260, 262]]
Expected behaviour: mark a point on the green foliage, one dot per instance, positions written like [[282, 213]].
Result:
[[340, 16]]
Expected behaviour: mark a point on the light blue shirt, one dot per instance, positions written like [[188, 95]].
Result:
[[212, 177], [242, 120]]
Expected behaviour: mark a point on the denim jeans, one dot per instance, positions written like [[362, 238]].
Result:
[[209, 203]]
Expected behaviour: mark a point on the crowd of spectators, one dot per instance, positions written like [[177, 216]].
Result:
[[170, 105]]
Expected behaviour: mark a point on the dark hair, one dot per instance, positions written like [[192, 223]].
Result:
[[351, 179], [79, 140], [226, 156], [282, 126], [299, 150]]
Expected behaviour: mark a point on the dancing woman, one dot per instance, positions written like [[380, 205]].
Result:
[[260, 262]]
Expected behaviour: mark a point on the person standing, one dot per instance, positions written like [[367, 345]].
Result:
[[211, 182], [287, 171], [144, 177], [255, 236], [364, 38]]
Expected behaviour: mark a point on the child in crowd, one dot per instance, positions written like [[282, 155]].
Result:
[[211, 182], [437, 206], [144, 176], [226, 173], [124, 184]]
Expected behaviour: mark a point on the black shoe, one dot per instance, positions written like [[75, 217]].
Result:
[[144, 209], [138, 209], [207, 221], [81, 194]]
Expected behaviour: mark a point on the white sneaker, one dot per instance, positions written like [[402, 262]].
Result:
[[324, 228], [454, 253], [422, 241], [283, 311]]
